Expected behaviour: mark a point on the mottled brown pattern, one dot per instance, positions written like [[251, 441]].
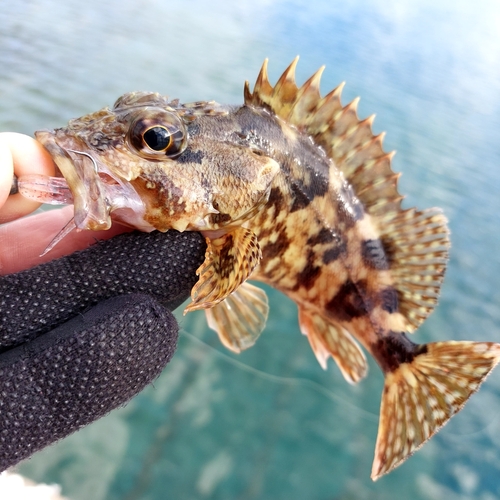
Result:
[[396, 348], [310, 272], [190, 156], [276, 203], [227, 256], [389, 300], [325, 235], [277, 248], [220, 219], [333, 253], [347, 302], [374, 255]]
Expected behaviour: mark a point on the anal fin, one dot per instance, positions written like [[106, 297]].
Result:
[[229, 261], [240, 318], [328, 339], [421, 396]]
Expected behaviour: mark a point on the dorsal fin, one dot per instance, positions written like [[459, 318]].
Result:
[[349, 141], [416, 242]]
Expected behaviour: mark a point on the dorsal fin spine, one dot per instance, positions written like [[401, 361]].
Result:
[[308, 97], [286, 86], [353, 105], [262, 82], [313, 83]]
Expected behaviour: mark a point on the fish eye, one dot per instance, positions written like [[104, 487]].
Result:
[[158, 135], [157, 138]]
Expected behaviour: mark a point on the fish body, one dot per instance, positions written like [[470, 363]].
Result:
[[294, 190]]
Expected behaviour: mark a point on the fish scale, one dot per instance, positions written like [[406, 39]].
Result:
[[294, 190]]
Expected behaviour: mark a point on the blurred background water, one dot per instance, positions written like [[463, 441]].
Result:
[[269, 423]]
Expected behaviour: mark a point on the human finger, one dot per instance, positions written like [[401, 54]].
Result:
[[22, 241], [6, 171], [20, 155]]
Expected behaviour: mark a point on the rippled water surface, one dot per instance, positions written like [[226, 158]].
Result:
[[269, 423]]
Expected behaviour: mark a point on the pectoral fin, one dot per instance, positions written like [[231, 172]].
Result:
[[240, 318], [229, 261]]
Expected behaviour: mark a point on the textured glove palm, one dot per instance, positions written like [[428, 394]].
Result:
[[81, 335]]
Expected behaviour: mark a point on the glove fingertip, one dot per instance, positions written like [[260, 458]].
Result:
[[81, 371]]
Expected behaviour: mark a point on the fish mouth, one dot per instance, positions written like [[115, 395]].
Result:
[[89, 185]]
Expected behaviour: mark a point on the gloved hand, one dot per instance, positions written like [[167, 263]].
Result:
[[81, 335]]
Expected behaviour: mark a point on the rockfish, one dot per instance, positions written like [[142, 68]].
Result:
[[294, 190]]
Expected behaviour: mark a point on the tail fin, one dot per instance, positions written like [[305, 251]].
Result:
[[421, 396]]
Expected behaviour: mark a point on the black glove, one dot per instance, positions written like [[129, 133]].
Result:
[[82, 335]]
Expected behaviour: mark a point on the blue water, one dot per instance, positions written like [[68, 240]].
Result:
[[269, 423]]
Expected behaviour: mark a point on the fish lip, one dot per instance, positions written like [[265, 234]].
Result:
[[69, 163], [91, 210], [47, 138], [62, 153], [60, 145]]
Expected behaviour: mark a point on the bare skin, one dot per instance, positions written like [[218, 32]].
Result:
[[22, 240]]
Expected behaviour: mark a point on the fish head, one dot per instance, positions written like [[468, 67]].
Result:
[[157, 164]]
